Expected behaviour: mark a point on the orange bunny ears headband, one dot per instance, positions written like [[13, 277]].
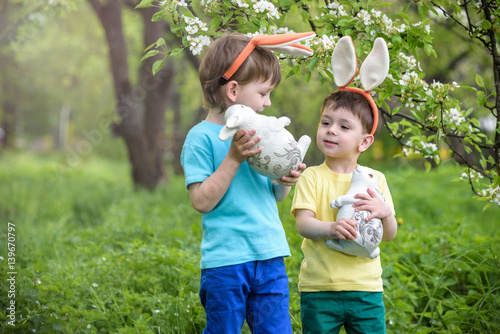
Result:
[[284, 43], [371, 74]]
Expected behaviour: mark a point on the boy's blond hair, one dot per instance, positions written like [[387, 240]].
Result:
[[352, 102], [261, 64]]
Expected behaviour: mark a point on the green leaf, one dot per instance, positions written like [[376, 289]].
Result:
[[404, 16], [289, 74], [428, 49], [150, 54], [479, 80], [158, 16], [396, 40], [145, 4], [176, 52], [226, 19], [176, 30], [422, 10], [428, 165], [157, 66], [149, 47], [307, 76], [480, 99], [160, 42], [313, 63], [486, 25], [216, 21]]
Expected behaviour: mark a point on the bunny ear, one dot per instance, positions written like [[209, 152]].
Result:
[[344, 63], [295, 49], [375, 68], [284, 43]]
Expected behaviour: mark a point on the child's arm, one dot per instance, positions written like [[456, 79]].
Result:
[[379, 209], [282, 190], [207, 194], [312, 228]]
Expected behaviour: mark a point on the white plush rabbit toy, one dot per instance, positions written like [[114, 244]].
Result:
[[280, 153], [372, 73]]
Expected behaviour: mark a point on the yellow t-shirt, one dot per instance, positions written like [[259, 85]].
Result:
[[325, 269]]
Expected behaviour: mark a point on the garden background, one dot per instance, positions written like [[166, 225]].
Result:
[[99, 247]]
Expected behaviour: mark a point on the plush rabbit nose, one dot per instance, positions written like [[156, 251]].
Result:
[[284, 43]]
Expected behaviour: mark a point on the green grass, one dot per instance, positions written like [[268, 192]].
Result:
[[92, 255]]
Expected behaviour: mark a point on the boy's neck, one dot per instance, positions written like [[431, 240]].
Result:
[[341, 166], [215, 116]]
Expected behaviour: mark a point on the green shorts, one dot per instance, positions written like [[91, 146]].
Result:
[[327, 311]]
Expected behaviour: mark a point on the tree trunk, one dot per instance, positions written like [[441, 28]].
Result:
[[141, 108]]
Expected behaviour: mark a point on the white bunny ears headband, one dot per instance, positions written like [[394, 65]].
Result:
[[284, 43], [372, 72]]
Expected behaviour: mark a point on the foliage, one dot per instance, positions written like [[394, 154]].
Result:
[[422, 116], [93, 255]]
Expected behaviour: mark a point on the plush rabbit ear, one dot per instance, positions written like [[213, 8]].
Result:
[[284, 43], [375, 68], [344, 63]]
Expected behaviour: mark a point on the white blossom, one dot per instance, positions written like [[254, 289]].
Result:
[[194, 25], [180, 3], [241, 3], [493, 194], [263, 6], [454, 117], [197, 43]]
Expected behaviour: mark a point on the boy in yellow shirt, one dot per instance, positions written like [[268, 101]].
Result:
[[337, 289]]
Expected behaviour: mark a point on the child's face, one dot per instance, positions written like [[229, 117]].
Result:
[[256, 95], [340, 134]]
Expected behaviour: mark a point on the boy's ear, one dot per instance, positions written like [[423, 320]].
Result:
[[232, 90], [365, 143]]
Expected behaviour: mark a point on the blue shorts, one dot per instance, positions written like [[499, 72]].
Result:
[[327, 311], [256, 291]]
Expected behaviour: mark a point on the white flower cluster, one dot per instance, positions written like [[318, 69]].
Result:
[[180, 3], [197, 43], [194, 24], [426, 29], [455, 117], [380, 20], [493, 194], [410, 61], [241, 3], [473, 175], [337, 9], [411, 79], [323, 44], [428, 150], [262, 6], [208, 3]]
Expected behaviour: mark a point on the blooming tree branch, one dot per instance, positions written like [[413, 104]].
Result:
[[423, 116]]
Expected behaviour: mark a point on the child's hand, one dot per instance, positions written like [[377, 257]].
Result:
[[293, 177], [241, 145], [344, 229], [371, 202]]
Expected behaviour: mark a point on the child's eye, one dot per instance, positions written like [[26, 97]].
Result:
[[344, 127]]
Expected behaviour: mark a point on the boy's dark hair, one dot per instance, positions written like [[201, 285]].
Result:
[[261, 64], [352, 102]]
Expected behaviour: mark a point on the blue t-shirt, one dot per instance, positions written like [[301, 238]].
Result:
[[244, 226]]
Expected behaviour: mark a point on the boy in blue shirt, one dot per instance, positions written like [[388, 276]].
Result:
[[243, 273]]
